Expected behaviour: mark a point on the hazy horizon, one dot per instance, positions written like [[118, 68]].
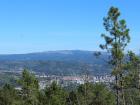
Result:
[[47, 51]]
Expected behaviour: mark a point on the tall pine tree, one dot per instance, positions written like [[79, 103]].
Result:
[[116, 40]]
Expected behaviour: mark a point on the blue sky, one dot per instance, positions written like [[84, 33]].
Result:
[[42, 25]]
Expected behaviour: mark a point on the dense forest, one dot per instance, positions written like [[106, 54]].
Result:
[[125, 90]]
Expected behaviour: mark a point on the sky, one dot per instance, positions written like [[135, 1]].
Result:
[[47, 25]]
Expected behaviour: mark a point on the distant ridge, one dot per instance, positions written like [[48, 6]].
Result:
[[56, 62], [53, 55]]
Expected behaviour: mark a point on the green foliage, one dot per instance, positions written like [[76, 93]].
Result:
[[86, 94], [102, 95], [95, 94], [8, 96], [117, 38], [55, 95], [29, 88], [132, 79], [72, 99], [115, 43]]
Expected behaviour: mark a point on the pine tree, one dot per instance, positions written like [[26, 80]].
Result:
[[115, 43], [72, 99], [29, 88], [9, 96], [97, 94], [55, 95], [102, 95], [132, 79]]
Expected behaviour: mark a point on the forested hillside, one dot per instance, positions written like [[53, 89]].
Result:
[[57, 62]]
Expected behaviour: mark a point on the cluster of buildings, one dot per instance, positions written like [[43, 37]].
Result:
[[65, 81]]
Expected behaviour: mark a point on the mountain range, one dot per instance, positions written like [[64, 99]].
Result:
[[63, 62]]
